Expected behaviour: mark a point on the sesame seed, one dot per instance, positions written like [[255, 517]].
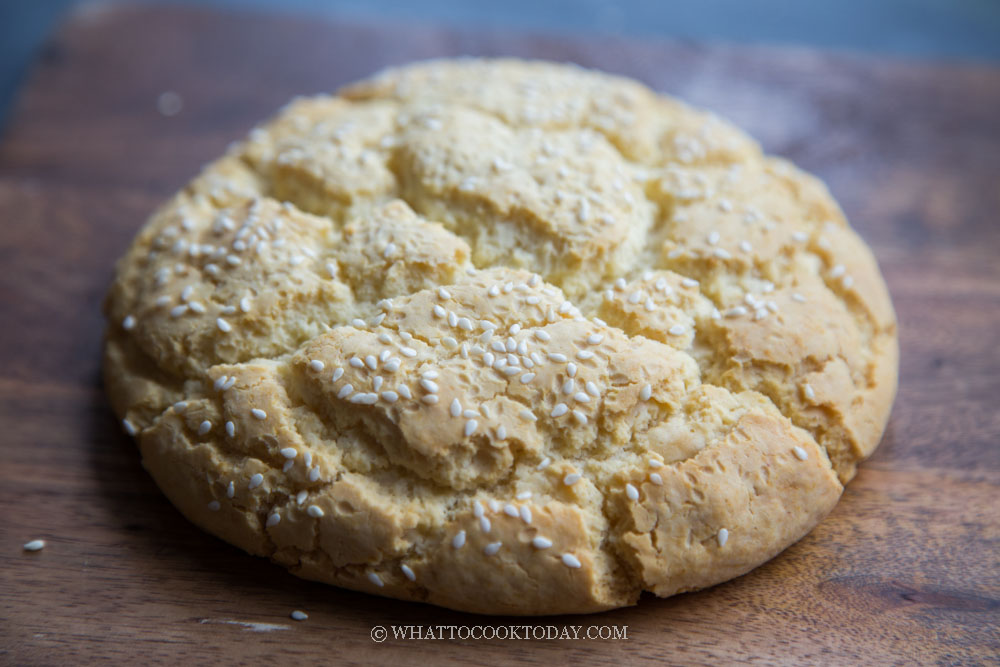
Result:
[[837, 271], [129, 427], [364, 399], [316, 365], [375, 579], [273, 520], [299, 615], [847, 282], [358, 323], [581, 397], [177, 311], [338, 373], [510, 510], [452, 319], [408, 352], [540, 542], [808, 391], [655, 478], [527, 415], [485, 524], [458, 541], [635, 297], [34, 545], [800, 453], [798, 297], [443, 293], [677, 330], [722, 537], [289, 452], [288, 466], [559, 410], [525, 514], [631, 492], [256, 480], [371, 362], [470, 427], [580, 417], [492, 548], [128, 323], [390, 249], [722, 253], [315, 511], [404, 391], [430, 399], [557, 357], [407, 572], [592, 389], [383, 356], [245, 304], [801, 237], [689, 282], [390, 396], [204, 427], [542, 335], [713, 238], [314, 474], [470, 414], [745, 246], [572, 478], [650, 305], [345, 391], [568, 386], [258, 413], [527, 377], [736, 312], [501, 432], [645, 392], [429, 385], [569, 560], [584, 354], [300, 497], [231, 490]]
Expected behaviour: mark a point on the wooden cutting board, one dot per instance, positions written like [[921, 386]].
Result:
[[907, 567]]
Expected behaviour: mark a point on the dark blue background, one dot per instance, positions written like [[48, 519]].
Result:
[[926, 29]]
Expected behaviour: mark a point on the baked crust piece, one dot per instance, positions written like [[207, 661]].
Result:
[[503, 336]]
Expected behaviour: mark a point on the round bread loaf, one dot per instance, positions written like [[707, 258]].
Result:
[[507, 337]]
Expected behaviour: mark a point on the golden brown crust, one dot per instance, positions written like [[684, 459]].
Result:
[[505, 337]]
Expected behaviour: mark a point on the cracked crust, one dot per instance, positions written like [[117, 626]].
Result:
[[507, 337]]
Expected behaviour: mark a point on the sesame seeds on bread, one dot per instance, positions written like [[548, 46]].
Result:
[[508, 337]]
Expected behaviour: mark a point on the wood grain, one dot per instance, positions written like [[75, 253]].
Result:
[[905, 570]]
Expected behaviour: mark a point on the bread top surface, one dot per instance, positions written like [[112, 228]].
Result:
[[505, 336]]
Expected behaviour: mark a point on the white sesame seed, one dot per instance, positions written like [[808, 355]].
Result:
[[408, 352], [458, 541], [371, 362], [800, 453], [559, 410], [736, 312], [289, 452], [258, 413], [527, 415], [722, 537], [358, 323], [808, 391], [569, 560], [645, 392], [798, 297], [745, 246], [314, 473], [485, 524], [677, 330], [847, 281], [407, 572], [34, 545], [511, 510], [390, 396], [443, 293], [375, 579], [345, 391], [177, 311], [430, 386], [801, 237], [256, 480], [592, 389], [837, 271], [315, 511], [231, 490], [580, 417], [689, 282], [204, 427], [430, 399], [389, 251], [571, 370], [300, 497], [525, 514], [568, 386], [713, 238], [557, 357], [299, 615], [128, 323], [581, 397], [572, 478], [129, 427], [245, 304], [501, 432], [470, 427], [584, 354], [316, 365], [527, 377], [655, 478], [364, 399], [492, 548], [631, 492], [273, 520]]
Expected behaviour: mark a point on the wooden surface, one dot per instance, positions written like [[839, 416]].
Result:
[[905, 570]]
